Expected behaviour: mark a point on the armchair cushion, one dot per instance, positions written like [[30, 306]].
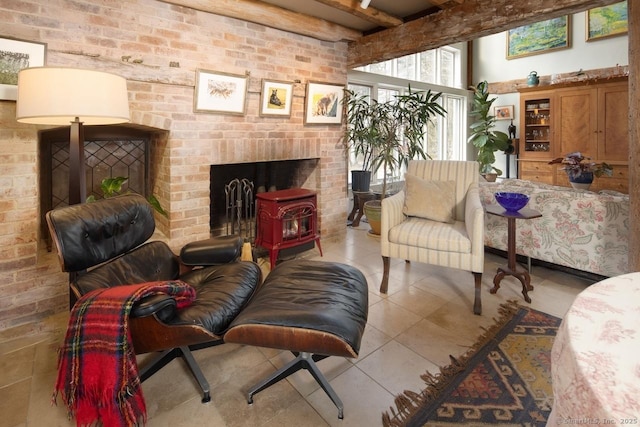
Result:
[[434, 200], [432, 235]]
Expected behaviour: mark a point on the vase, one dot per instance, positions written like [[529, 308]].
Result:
[[373, 212], [582, 181]]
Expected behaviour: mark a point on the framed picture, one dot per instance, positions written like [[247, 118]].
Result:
[[541, 37], [503, 112], [220, 93], [275, 98], [323, 103], [14, 56], [607, 21]]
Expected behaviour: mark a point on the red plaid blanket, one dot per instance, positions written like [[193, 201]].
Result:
[[97, 370]]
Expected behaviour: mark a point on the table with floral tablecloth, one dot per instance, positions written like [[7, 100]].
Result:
[[595, 360]]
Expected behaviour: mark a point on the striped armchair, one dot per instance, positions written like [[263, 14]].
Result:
[[458, 245]]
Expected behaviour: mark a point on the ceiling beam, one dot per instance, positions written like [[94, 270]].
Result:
[[446, 4], [370, 14], [273, 16], [467, 21]]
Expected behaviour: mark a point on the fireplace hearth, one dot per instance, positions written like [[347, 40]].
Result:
[[263, 177]]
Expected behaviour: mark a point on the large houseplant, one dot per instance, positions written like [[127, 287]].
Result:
[[389, 134], [482, 135], [360, 138]]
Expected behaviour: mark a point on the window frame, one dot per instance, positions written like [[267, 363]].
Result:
[[379, 81]]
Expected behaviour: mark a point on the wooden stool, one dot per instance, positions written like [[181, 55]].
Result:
[[359, 199]]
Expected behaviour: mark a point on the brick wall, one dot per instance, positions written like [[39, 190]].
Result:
[[158, 47]]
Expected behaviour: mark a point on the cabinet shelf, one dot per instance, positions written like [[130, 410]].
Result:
[[536, 123]]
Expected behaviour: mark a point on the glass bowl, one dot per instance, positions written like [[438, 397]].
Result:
[[512, 202]]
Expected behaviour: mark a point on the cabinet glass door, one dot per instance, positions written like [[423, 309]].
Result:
[[537, 125]]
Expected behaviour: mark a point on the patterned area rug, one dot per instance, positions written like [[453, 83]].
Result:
[[504, 379]]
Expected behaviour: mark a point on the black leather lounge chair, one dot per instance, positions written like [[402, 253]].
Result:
[[314, 309]]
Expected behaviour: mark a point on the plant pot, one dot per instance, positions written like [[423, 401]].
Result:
[[360, 180], [490, 177], [373, 212], [581, 182]]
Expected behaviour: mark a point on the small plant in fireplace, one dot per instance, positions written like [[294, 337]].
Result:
[[112, 186]]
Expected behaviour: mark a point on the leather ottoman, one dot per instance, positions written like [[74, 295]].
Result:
[[314, 309]]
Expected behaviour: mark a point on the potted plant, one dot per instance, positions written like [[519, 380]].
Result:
[[360, 139], [581, 170], [112, 186], [388, 134], [482, 135]]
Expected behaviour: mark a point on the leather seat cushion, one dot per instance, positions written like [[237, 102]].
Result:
[[221, 293], [427, 234], [306, 306]]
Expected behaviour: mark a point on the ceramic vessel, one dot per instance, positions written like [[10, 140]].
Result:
[[582, 181], [533, 79], [373, 212]]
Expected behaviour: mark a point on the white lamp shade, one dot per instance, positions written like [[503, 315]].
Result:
[[56, 96]]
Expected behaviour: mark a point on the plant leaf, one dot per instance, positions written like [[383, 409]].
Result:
[[112, 186], [153, 201]]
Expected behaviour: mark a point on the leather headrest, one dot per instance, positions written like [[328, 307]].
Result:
[[89, 234]]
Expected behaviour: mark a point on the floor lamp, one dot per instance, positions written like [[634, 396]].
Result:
[[59, 96]]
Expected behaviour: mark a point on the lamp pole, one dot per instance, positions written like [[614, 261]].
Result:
[[77, 179]]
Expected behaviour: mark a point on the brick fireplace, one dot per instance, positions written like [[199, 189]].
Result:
[[263, 176], [184, 145]]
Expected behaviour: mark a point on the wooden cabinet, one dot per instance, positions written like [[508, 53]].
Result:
[[589, 117]]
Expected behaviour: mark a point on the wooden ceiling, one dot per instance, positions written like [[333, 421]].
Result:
[[391, 28], [328, 20]]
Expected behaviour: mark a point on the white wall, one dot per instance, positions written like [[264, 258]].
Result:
[[490, 64]]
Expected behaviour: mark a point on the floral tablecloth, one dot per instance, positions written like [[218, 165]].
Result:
[[595, 360], [579, 229]]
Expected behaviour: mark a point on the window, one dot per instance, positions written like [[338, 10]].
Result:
[[439, 70], [439, 66]]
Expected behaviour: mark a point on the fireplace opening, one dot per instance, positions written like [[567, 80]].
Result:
[[262, 177], [109, 151]]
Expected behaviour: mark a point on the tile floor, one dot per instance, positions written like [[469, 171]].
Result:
[[426, 316]]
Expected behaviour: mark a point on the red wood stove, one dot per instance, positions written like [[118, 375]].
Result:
[[285, 219]]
